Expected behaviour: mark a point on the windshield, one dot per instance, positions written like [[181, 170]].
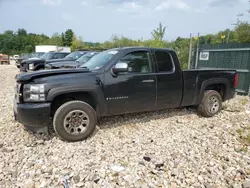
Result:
[[86, 57], [47, 56], [37, 54], [75, 55], [99, 60], [25, 55]]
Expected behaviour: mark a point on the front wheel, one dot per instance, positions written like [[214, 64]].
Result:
[[211, 104], [74, 121]]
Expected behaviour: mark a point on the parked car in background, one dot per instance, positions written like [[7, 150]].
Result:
[[4, 59], [35, 64], [71, 57], [16, 57], [71, 64], [28, 56], [21, 58], [117, 81]]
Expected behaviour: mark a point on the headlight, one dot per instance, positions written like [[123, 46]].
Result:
[[33, 92], [48, 66], [31, 66]]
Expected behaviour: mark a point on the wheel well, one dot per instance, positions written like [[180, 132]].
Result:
[[63, 98], [220, 88]]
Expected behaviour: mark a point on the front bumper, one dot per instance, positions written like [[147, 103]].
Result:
[[36, 115]]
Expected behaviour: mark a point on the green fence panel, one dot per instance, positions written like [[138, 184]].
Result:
[[233, 55]]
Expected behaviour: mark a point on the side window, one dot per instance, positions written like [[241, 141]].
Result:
[[138, 62], [164, 61]]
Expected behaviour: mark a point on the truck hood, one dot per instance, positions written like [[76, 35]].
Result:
[[57, 60], [63, 64], [32, 75], [32, 60]]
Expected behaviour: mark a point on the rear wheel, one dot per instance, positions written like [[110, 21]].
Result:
[[211, 104], [74, 121]]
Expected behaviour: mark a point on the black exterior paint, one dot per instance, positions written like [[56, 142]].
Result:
[[62, 64], [126, 92]]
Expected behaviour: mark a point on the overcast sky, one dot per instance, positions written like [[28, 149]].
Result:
[[97, 20]]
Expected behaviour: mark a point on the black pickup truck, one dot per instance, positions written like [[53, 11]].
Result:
[[34, 64], [117, 81], [70, 64]]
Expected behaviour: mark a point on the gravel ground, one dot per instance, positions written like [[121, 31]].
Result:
[[171, 148]]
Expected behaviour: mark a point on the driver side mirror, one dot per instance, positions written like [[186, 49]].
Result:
[[120, 67]]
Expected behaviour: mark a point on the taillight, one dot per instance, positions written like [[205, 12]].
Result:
[[236, 80]]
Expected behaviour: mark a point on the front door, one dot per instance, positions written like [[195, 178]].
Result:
[[134, 90]]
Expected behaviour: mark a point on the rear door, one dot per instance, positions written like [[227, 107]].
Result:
[[169, 80], [135, 90]]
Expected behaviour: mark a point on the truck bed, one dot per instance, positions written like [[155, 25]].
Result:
[[195, 81]]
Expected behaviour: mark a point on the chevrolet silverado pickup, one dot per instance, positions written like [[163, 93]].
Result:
[[117, 81]]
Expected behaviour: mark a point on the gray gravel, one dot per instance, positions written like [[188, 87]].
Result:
[[171, 148]]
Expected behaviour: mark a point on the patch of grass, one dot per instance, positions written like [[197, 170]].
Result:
[[244, 102], [244, 136], [243, 149], [239, 131], [248, 138]]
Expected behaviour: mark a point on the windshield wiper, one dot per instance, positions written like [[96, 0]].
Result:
[[79, 67]]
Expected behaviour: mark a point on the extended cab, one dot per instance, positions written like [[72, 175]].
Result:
[[117, 81]]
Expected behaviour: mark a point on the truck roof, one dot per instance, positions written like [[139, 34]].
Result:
[[141, 48], [53, 52]]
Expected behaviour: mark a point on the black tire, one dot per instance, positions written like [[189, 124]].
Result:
[[62, 112], [208, 107]]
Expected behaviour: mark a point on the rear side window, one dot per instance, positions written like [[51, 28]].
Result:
[[164, 61]]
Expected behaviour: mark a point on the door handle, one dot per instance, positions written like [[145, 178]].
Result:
[[148, 81]]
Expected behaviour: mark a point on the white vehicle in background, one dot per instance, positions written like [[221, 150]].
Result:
[[15, 57], [52, 48]]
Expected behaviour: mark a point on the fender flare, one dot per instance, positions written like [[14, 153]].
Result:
[[38, 66], [210, 82], [95, 92]]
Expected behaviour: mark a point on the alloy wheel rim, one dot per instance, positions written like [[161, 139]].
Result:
[[76, 122], [213, 104]]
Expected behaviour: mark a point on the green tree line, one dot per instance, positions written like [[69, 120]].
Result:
[[23, 42]]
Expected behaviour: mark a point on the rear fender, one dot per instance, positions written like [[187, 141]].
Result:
[[209, 82]]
